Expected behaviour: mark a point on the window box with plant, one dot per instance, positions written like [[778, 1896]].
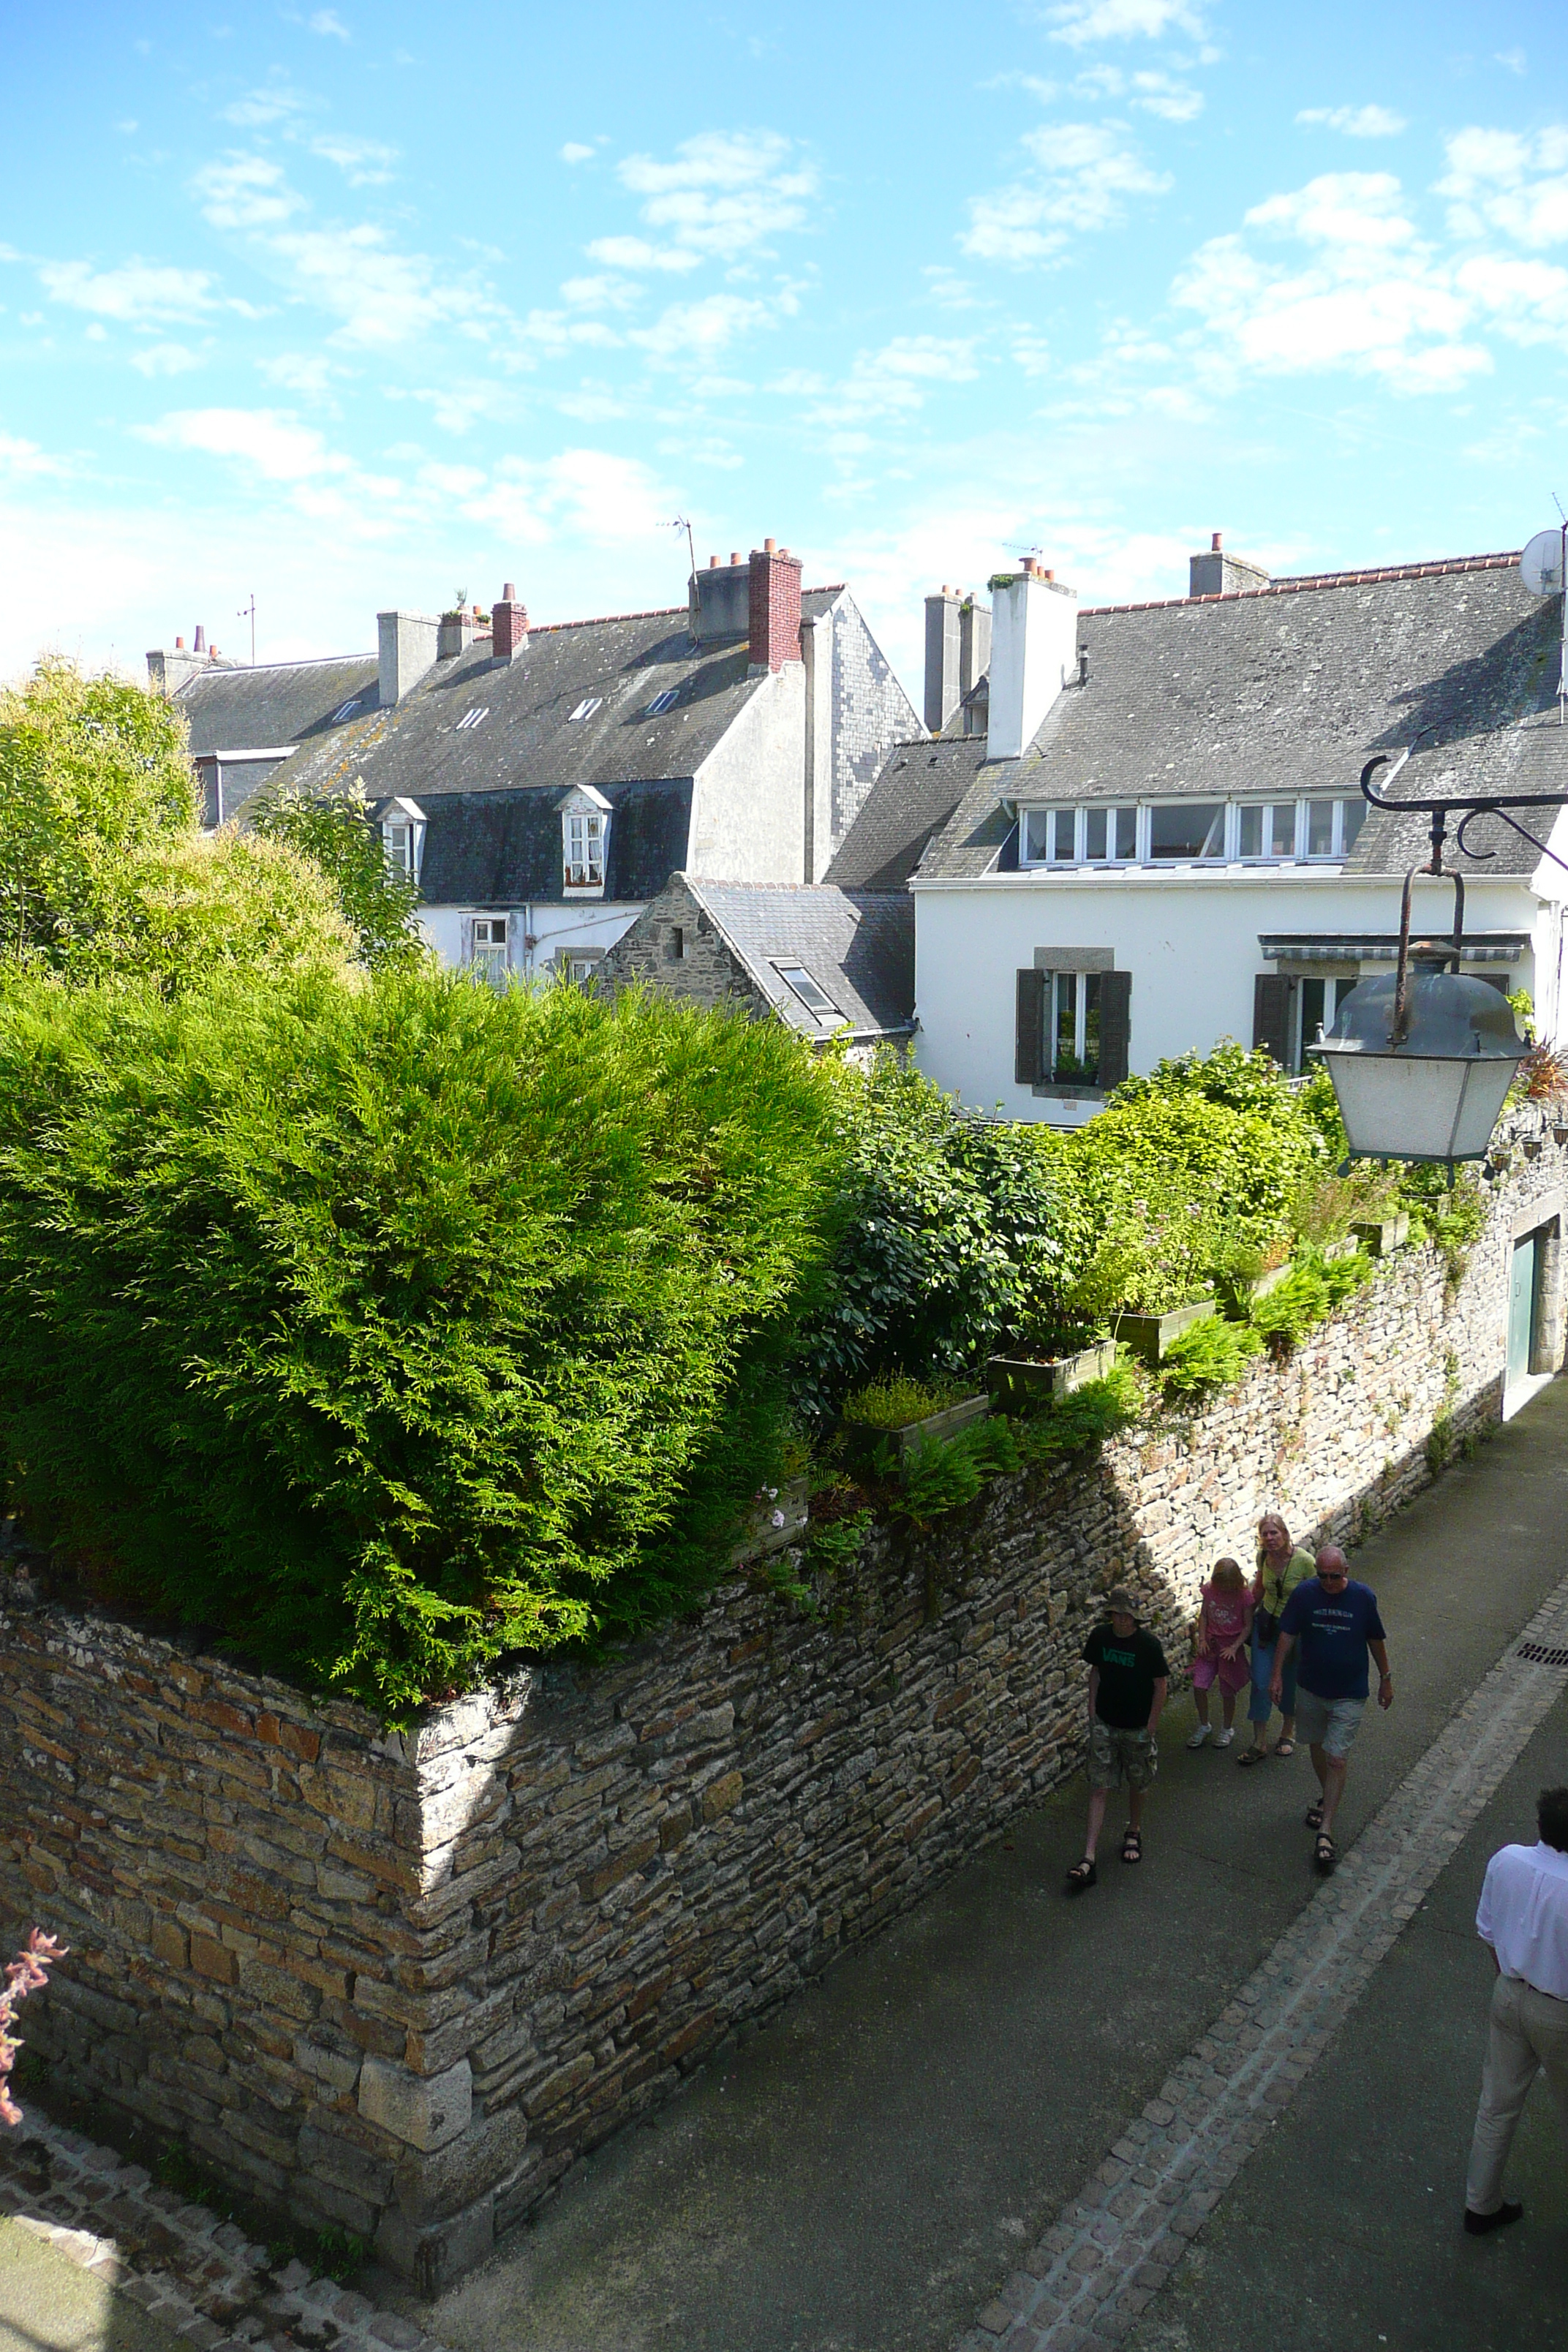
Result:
[[1014, 1380], [907, 1413]]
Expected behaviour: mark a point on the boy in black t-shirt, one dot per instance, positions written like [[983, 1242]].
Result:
[[1128, 1680]]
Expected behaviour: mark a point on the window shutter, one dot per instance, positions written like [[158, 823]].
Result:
[[1115, 1027], [1271, 1015], [1029, 1042]]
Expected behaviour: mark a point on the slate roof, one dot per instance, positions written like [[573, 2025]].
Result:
[[917, 791], [858, 945], [1291, 688], [496, 849], [527, 737], [235, 709]]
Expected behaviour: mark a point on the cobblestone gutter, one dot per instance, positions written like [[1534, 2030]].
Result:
[[399, 1984]]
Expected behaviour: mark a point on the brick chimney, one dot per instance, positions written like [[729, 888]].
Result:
[[773, 609], [1215, 573], [509, 626]]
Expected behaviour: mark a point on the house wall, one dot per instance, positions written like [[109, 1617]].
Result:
[[748, 798], [578, 924], [871, 713], [402, 1983], [1190, 943], [706, 973]]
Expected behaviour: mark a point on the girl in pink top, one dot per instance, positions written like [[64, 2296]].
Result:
[[1219, 1651]]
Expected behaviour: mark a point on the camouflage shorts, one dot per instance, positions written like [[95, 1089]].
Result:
[[1115, 1755]]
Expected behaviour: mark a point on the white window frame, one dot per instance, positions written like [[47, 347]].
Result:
[[489, 954], [1044, 813], [473, 718], [403, 839], [784, 966], [585, 842], [586, 709]]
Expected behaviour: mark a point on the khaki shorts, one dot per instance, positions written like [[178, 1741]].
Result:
[[1329, 1724], [1117, 1756]]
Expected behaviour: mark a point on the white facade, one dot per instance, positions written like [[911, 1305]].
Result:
[[541, 937], [1190, 941]]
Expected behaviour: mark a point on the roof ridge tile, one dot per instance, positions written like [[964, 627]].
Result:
[[1437, 568]]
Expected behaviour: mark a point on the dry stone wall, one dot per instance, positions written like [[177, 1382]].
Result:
[[400, 1983]]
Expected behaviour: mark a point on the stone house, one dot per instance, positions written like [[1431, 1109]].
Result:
[[542, 784], [837, 965], [1161, 840]]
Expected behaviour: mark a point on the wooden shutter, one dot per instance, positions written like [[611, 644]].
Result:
[[1115, 1027], [1271, 1015], [1029, 1036]]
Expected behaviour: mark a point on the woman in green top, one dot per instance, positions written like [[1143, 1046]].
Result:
[[1281, 1569]]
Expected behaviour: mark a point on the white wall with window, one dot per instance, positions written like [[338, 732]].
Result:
[[537, 934], [1190, 948]]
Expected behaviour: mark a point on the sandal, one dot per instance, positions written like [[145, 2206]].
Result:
[[1314, 1817], [1284, 1747], [1082, 1875], [1133, 1845], [1325, 1853], [1253, 1756]]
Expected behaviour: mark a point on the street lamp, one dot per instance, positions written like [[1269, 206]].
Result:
[[1421, 1063]]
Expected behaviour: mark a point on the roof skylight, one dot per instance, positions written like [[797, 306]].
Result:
[[663, 702], [586, 708], [814, 999], [474, 718], [346, 712]]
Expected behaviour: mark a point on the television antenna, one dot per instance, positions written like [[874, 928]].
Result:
[[683, 522], [1544, 567], [240, 615]]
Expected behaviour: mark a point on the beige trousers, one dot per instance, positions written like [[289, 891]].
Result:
[[1528, 2031]]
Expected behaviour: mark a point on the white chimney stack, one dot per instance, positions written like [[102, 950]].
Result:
[[1033, 654]]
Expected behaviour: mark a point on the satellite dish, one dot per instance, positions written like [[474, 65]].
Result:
[[1541, 565]]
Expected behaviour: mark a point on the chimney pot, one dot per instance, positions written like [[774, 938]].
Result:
[[770, 546], [201, 642], [1216, 542], [712, 563], [733, 557], [508, 594], [179, 644], [1048, 575]]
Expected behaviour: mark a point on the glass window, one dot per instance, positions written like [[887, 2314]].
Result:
[[584, 849], [398, 842], [1098, 823], [1063, 823], [1035, 835], [815, 998], [1268, 830], [1126, 833], [490, 946], [1073, 1043], [1353, 817], [1186, 829], [1319, 828]]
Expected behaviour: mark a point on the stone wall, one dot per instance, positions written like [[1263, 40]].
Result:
[[401, 1983]]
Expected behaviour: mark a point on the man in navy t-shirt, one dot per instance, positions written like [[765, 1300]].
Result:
[[1336, 1622]]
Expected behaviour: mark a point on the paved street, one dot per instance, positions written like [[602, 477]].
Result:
[[864, 2174]]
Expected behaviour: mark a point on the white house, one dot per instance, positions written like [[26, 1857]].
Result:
[[542, 784], [1162, 841]]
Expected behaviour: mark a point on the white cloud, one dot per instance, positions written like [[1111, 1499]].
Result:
[[1356, 121], [165, 359], [601, 293], [364, 162], [245, 192], [1150, 92], [637, 253], [271, 442], [1515, 59], [896, 379], [1079, 22], [138, 290], [329, 24], [276, 103], [726, 193], [575, 153], [309, 374], [1509, 181], [692, 334], [551, 334], [1084, 172], [1362, 290], [583, 494], [24, 460]]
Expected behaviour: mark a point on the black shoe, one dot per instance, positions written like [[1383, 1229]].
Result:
[[1478, 2224]]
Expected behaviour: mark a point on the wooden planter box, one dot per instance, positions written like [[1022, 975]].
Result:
[[790, 1508], [861, 1438], [1020, 1377], [1270, 1281], [1149, 1335], [1346, 1246], [1384, 1235]]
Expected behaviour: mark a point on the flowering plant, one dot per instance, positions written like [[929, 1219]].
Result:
[[28, 1971]]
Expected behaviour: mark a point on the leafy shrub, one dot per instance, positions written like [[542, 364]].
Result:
[[394, 1329], [941, 1474], [1210, 1354], [955, 1233], [893, 1400], [378, 903], [1085, 1416]]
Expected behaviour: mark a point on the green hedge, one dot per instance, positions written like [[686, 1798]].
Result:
[[389, 1330]]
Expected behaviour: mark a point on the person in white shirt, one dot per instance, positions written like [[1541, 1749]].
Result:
[[1524, 1915]]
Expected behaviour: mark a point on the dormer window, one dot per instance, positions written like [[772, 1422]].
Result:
[[584, 841], [403, 837]]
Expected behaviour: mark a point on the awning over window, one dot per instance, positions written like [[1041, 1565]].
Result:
[[1382, 947]]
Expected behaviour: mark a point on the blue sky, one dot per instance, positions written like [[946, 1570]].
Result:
[[354, 307]]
